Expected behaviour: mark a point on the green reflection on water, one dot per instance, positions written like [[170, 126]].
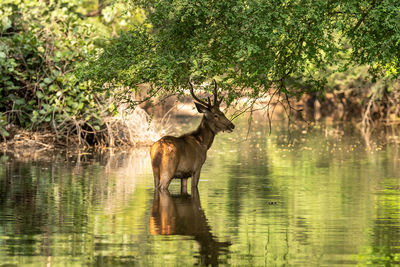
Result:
[[315, 197]]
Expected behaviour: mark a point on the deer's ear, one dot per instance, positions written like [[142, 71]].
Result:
[[201, 108]]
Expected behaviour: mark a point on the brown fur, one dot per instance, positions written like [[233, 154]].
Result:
[[182, 157]]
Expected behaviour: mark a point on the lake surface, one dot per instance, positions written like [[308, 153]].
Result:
[[313, 196]]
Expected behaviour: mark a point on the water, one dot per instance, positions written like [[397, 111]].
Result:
[[314, 196]]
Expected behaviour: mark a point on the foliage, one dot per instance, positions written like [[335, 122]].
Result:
[[251, 44], [40, 43], [3, 123], [375, 35]]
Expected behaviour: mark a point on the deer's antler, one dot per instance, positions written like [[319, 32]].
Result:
[[215, 93], [198, 99], [216, 102], [209, 104]]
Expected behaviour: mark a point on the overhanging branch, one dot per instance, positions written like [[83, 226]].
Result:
[[364, 15], [97, 12]]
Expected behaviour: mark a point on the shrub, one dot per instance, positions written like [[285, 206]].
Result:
[[40, 42]]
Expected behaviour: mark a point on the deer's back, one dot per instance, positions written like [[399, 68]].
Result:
[[184, 152]]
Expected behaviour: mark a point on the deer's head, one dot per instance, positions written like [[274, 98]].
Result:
[[215, 118]]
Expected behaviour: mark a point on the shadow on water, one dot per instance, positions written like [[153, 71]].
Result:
[[182, 215]]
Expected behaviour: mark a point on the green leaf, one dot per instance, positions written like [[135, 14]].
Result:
[[48, 80], [19, 101], [39, 94], [3, 132]]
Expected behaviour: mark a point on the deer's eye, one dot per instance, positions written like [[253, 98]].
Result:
[[216, 116]]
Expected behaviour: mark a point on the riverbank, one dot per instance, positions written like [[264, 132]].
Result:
[[128, 129], [375, 119]]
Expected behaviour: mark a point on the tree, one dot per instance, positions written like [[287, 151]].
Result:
[[40, 42], [251, 47]]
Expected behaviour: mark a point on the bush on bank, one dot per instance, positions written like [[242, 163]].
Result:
[[40, 44]]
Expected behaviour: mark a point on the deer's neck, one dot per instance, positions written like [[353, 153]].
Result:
[[204, 134]]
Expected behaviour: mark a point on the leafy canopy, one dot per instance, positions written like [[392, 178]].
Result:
[[258, 44]]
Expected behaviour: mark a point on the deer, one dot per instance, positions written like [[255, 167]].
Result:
[[183, 157]]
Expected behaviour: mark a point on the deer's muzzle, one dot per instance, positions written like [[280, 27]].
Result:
[[230, 127]]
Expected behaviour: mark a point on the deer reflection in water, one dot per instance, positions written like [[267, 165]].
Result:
[[182, 215]]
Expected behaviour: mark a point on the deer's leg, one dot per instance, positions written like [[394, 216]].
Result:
[[166, 175], [156, 174], [195, 196], [168, 169], [195, 179], [184, 186], [165, 180]]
